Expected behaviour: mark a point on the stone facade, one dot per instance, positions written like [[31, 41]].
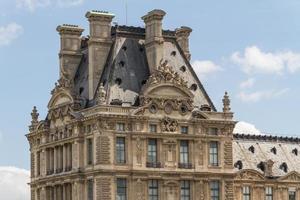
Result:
[[129, 119]]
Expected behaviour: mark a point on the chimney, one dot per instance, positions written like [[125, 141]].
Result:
[[182, 35], [99, 45], [69, 55], [154, 38]]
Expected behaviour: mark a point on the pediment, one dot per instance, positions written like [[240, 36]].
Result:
[[249, 174], [58, 99], [292, 176]]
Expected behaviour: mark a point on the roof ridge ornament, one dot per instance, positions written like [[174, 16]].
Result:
[[166, 73], [34, 119], [101, 95], [226, 103]]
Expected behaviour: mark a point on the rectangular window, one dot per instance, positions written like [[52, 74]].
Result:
[[152, 151], [120, 127], [184, 151], [184, 129], [89, 147], [120, 150], [213, 154], [121, 189], [153, 128], [269, 193], [185, 190], [246, 193], [90, 189], [213, 131], [153, 189], [292, 194], [214, 190], [38, 163]]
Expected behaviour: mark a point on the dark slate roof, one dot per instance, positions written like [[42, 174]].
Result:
[[263, 145], [126, 69]]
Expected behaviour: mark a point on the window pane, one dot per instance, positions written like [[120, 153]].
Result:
[[153, 189], [214, 190], [185, 190], [213, 153], [120, 150], [152, 150], [90, 151], [184, 151], [121, 189], [90, 188]]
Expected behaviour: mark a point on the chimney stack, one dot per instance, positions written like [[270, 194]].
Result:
[[182, 35], [69, 55], [154, 38], [99, 45]]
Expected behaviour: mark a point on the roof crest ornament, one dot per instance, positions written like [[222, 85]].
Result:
[[35, 119], [165, 73], [226, 103]]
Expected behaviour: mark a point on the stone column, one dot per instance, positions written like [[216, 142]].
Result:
[[55, 159], [78, 190], [65, 156]]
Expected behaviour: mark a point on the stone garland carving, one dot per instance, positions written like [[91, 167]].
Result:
[[248, 176], [103, 185], [139, 190], [139, 150], [101, 95], [169, 125], [228, 190], [200, 152], [165, 73], [228, 153], [103, 150]]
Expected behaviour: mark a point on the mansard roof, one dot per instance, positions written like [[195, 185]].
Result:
[[126, 69], [252, 150]]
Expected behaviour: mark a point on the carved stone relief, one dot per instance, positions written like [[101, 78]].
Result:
[[169, 125]]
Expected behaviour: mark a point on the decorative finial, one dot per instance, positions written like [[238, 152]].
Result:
[[101, 94], [226, 103], [35, 118]]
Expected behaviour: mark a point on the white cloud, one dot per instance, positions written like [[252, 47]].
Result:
[[261, 95], [246, 128], [14, 183], [247, 83], [9, 33], [205, 68], [64, 3], [32, 5], [254, 60]]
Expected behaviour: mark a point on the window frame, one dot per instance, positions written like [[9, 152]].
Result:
[[124, 187], [185, 190], [152, 151], [153, 189], [215, 190], [246, 192], [184, 129], [269, 193], [120, 149], [90, 151], [120, 126], [214, 155], [153, 126], [90, 189], [184, 157]]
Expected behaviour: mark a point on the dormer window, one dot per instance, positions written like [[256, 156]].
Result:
[[295, 151], [252, 149], [193, 87], [261, 166], [173, 53], [239, 165], [274, 150], [284, 167], [183, 68]]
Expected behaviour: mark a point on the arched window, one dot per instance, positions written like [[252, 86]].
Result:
[[295, 151], [274, 150]]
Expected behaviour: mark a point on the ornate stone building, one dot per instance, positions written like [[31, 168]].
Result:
[[129, 119]]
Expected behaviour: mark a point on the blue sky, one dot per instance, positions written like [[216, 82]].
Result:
[[249, 48]]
